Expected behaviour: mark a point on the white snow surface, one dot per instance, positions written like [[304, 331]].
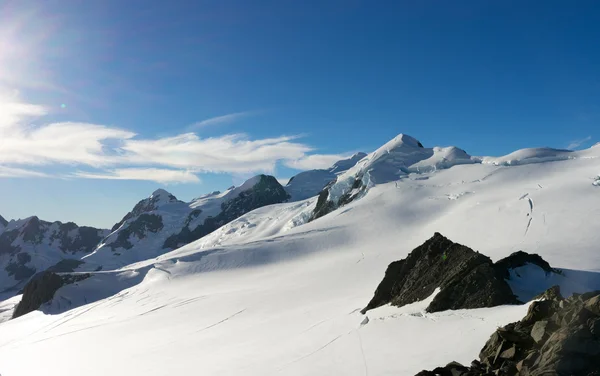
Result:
[[269, 294], [7, 307], [309, 183]]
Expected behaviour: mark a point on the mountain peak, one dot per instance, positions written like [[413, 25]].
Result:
[[3, 222], [402, 140], [161, 193]]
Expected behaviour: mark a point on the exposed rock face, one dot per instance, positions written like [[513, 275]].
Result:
[[22, 242], [3, 222], [41, 288], [557, 337], [467, 279]]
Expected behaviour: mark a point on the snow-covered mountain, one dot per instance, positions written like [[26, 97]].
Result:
[[309, 183], [161, 222], [274, 293], [31, 245]]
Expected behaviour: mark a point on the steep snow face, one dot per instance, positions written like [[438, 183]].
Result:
[[345, 164], [30, 245], [161, 222], [309, 183]]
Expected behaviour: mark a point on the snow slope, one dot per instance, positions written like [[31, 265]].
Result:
[[270, 294], [309, 183]]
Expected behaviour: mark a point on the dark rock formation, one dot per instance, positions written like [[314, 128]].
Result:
[[557, 337], [467, 279], [41, 288], [18, 269], [143, 224], [325, 206], [3, 222], [65, 266]]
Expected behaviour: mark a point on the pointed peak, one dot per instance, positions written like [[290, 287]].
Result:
[[161, 192], [3, 222], [161, 196], [404, 140]]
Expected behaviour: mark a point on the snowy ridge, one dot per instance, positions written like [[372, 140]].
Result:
[[532, 155]]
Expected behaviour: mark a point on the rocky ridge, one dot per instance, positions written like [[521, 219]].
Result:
[[558, 336], [467, 279]]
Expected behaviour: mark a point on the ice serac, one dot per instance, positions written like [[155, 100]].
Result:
[[31, 245], [309, 183], [399, 157], [161, 222]]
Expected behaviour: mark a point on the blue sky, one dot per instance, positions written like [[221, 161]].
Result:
[[101, 102]]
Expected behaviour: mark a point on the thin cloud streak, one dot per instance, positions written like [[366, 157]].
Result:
[[577, 143], [148, 174], [223, 119], [12, 172], [315, 161]]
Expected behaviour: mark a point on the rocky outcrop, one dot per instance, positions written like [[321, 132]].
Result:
[[3, 222], [41, 288], [557, 337], [467, 279]]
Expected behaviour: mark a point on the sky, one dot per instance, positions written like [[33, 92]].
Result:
[[104, 101]]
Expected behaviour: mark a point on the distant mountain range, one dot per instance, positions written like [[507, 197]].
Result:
[[155, 225]]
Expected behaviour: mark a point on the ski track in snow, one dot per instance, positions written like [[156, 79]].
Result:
[[222, 321]]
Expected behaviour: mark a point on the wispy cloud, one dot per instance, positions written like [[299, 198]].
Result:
[[149, 174], [13, 172], [577, 143], [97, 151], [314, 161], [223, 119]]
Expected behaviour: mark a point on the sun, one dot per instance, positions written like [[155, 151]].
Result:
[[22, 37]]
